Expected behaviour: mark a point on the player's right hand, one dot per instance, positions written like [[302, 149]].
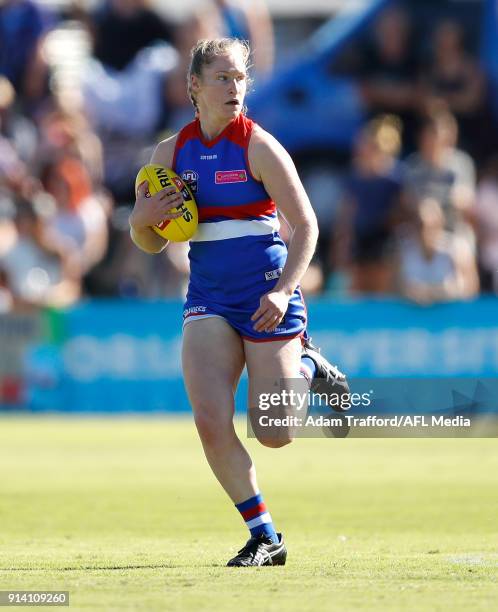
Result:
[[152, 209]]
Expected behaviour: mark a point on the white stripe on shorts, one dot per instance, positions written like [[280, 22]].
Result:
[[259, 520], [235, 228], [208, 315]]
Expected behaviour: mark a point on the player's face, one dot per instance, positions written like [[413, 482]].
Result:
[[222, 87]]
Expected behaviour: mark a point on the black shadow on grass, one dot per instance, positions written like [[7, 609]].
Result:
[[93, 568]]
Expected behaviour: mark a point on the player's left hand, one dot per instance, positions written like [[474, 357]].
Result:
[[272, 308]]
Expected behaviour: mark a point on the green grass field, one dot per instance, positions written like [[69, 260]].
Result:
[[125, 514]]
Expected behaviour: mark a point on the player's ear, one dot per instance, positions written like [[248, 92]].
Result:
[[195, 83]]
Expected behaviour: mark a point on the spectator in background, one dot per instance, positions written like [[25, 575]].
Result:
[[437, 170], [456, 159], [15, 128], [22, 29], [79, 222], [122, 28], [37, 268], [12, 168], [486, 212], [388, 71], [368, 213], [435, 266], [122, 84], [63, 134], [455, 77]]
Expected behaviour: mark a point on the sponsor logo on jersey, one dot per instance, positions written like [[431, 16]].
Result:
[[192, 179], [273, 274], [230, 176], [208, 157], [193, 310]]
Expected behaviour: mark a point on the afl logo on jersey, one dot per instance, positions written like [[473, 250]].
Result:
[[191, 178]]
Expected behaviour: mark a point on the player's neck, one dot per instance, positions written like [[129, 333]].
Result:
[[211, 128]]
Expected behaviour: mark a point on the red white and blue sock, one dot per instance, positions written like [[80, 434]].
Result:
[[257, 517], [307, 369]]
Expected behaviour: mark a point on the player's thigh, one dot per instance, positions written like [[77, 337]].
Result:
[[277, 358], [212, 360], [273, 369]]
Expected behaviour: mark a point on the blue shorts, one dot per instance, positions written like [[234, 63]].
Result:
[[239, 316]]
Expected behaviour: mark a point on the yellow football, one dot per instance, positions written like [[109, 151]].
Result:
[[160, 177]]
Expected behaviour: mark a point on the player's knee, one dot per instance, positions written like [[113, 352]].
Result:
[[213, 430], [276, 442]]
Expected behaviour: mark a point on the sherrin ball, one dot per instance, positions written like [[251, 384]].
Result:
[[159, 178]]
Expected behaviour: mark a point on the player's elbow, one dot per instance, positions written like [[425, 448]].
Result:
[[309, 227], [306, 226], [314, 229]]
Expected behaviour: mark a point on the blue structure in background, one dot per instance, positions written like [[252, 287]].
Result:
[[120, 356], [306, 105], [489, 49]]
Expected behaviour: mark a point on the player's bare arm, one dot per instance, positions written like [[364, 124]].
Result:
[[152, 209], [271, 164]]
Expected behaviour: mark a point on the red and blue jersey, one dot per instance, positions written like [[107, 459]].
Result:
[[237, 241], [237, 253]]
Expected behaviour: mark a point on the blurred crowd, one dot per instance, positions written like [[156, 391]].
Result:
[[417, 212]]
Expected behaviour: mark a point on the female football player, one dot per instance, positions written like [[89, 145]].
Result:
[[244, 305]]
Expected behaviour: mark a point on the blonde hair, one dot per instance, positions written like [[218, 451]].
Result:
[[385, 131], [204, 52]]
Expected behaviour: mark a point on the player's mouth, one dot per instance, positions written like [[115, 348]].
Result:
[[233, 103]]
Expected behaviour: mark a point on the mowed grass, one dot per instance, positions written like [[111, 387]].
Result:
[[126, 515]]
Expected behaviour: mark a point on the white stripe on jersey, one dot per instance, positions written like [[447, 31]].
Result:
[[235, 228]]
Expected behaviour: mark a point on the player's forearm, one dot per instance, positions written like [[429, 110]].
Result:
[[147, 240], [301, 248]]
